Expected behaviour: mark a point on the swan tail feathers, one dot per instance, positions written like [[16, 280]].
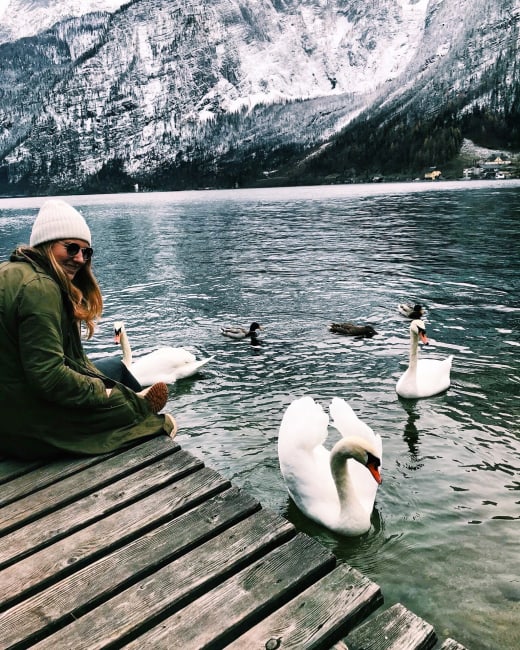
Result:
[[189, 369]]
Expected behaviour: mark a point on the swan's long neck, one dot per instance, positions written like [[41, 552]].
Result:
[[414, 345], [125, 347], [340, 453]]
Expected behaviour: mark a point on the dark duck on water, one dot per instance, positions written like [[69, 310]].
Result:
[[349, 329]]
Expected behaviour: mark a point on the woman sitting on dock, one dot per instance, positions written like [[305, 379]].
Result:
[[53, 400]]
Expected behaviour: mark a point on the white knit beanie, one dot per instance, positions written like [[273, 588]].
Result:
[[58, 220]]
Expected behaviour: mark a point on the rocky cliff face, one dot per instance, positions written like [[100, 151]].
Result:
[[155, 90]]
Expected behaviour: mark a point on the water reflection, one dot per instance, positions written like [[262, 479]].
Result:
[[411, 433], [359, 551]]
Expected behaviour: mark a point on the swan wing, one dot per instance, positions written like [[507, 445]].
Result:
[[406, 384], [191, 368], [348, 424], [430, 378], [164, 358], [304, 426], [304, 461], [433, 376], [163, 364]]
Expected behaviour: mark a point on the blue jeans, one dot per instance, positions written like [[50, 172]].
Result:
[[115, 369]]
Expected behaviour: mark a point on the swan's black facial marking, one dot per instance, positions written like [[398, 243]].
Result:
[[373, 460], [373, 464], [422, 335], [118, 332]]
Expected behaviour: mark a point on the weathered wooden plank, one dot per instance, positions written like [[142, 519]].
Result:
[[55, 562], [41, 477], [95, 583], [90, 479], [11, 469], [219, 616], [450, 644], [319, 616], [179, 582], [394, 629], [116, 495]]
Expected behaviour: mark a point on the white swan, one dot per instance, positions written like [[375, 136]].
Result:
[[338, 488], [423, 377], [165, 364]]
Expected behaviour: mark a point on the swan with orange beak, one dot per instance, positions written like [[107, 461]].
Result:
[[423, 377]]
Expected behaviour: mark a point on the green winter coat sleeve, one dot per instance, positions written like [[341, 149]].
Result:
[[41, 338]]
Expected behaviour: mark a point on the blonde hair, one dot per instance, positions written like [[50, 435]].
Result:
[[83, 291]]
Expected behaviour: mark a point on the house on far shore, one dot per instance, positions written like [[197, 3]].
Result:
[[498, 167], [433, 175], [497, 164], [472, 172]]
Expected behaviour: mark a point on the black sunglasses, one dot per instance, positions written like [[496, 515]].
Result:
[[74, 249]]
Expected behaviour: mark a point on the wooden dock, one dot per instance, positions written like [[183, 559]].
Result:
[[149, 548]]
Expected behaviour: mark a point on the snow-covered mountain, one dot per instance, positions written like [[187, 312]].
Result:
[[152, 90], [23, 18]]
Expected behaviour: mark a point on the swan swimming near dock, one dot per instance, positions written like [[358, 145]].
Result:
[[336, 488], [166, 364]]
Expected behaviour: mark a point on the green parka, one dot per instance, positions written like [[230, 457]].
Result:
[[53, 400]]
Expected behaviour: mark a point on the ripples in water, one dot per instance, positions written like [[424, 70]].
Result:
[[177, 266]]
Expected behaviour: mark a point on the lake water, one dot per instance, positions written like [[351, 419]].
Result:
[[177, 266]]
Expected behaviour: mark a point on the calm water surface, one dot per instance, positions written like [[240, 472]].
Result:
[[177, 266]]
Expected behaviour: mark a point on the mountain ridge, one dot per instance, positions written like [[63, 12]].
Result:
[[180, 95]]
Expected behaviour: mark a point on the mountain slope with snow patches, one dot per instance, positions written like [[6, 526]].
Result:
[[151, 86]]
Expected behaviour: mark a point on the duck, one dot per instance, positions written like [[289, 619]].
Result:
[[423, 377], [337, 488], [238, 332], [166, 364], [411, 311], [349, 329]]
